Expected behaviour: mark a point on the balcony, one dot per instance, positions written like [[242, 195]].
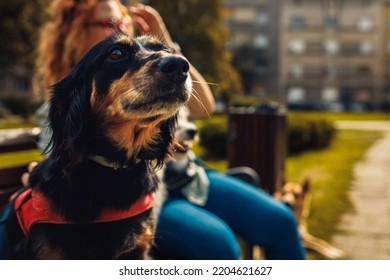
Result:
[[360, 49]]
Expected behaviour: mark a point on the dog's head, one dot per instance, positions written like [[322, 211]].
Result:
[[294, 195], [120, 101]]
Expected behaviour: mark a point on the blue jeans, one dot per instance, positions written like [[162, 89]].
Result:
[[191, 232], [3, 234]]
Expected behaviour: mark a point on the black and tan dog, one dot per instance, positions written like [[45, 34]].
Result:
[[297, 197], [113, 121]]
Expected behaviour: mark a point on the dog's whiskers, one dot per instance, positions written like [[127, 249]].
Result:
[[194, 94], [205, 83]]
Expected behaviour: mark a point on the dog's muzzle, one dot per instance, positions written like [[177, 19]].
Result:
[[175, 67]]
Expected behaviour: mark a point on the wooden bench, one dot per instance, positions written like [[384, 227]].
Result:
[[12, 141]]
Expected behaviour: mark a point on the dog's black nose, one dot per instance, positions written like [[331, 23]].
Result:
[[192, 133], [175, 67]]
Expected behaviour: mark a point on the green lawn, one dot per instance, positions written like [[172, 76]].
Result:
[[341, 116], [19, 158], [331, 172], [17, 122]]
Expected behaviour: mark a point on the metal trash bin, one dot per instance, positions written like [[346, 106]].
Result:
[[257, 138]]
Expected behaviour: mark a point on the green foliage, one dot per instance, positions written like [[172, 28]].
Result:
[[213, 138], [20, 21], [244, 101], [19, 105], [305, 133], [199, 28]]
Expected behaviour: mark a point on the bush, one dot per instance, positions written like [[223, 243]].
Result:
[[244, 101], [213, 138], [305, 133], [19, 105]]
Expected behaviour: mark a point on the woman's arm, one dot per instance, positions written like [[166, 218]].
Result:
[[149, 21]]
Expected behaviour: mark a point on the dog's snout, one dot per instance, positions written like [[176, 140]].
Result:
[[192, 133], [175, 67]]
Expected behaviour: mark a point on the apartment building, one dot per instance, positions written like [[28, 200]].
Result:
[[386, 55], [254, 28], [317, 54], [331, 53], [15, 82]]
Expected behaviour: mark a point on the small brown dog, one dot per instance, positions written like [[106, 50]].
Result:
[[297, 197]]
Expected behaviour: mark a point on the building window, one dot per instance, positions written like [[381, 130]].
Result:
[[261, 66], [330, 71], [297, 22], [297, 46], [387, 95], [363, 69], [331, 46], [330, 94], [297, 2], [241, 39], [366, 48], [244, 15], [366, 3], [331, 23], [21, 84], [262, 18], [261, 41], [363, 95], [296, 95], [365, 24], [296, 71]]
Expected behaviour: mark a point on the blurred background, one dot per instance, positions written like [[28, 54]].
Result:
[[329, 55]]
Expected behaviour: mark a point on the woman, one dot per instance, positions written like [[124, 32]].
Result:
[[185, 230]]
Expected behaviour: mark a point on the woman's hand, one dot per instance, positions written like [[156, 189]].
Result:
[[26, 175], [149, 21]]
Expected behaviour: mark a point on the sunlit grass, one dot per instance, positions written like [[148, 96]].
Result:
[[19, 158], [342, 116], [17, 122], [331, 172]]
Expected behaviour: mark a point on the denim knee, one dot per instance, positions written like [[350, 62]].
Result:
[[286, 221], [217, 243]]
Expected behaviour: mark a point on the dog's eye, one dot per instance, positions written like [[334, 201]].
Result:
[[116, 54]]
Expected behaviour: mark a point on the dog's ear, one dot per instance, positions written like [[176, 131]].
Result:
[[280, 181], [69, 108], [306, 185]]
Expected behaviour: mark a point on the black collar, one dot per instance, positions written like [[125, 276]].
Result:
[[113, 164]]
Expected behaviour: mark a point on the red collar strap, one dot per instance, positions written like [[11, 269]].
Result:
[[33, 207]]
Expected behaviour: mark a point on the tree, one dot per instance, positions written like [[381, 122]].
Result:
[[198, 27], [20, 21]]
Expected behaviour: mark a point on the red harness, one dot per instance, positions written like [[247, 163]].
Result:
[[37, 209]]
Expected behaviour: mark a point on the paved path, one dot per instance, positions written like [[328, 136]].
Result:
[[366, 232]]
